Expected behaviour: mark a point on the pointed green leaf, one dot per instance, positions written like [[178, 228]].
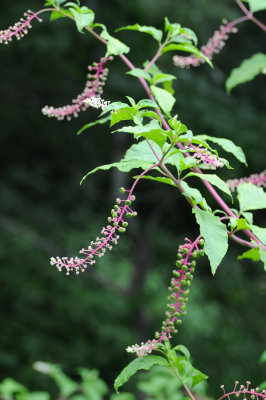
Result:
[[146, 103], [135, 365], [251, 197], [182, 349], [33, 396], [114, 46], [90, 124], [165, 100], [256, 5], [151, 131], [247, 71], [215, 234], [259, 232], [263, 257], [227, 145], [83, 17], [189, 48], [155, 33], [195, 196], [138, 72], [213, 179], [252, 254], [161, 179]]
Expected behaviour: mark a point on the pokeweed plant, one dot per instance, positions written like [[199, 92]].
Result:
[[168, 152]]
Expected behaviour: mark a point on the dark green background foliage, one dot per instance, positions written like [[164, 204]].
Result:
[[89, 320]]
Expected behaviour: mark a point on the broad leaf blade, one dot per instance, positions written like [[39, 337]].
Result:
[[256, 5], [135, 365], [251, 197], [215, 235], [165, 100], [247, 71], [155, 33], [227, 145], [213, 179]]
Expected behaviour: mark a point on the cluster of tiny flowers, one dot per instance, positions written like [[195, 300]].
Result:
[[214, 45], [20, 28], [256, 179], [177, 299], [97, 102], [204, 156], [243, 391], [109, 238], [93, 88]]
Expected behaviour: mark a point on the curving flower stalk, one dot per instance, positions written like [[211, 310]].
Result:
[[204, 156], [179, 290], [256, 179], [110, 233], [214, 45], [243, 391], [109, 238], [20, 28], [93, 88]]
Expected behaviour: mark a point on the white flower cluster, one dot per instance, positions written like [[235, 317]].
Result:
[[144, 349], [96, 102]]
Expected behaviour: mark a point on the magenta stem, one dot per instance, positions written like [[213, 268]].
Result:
[[250, 15]]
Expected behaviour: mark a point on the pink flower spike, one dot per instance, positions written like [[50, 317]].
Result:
[[20, 28], [214, 45], [110, 237], [93, 90], [256, 179], [176, 307], [204, 156]]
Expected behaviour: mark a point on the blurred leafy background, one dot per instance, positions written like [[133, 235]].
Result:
[[89, 320]]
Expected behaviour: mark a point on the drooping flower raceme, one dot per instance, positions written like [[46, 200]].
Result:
[[179, 290], [97, 102], [109, 238], [93, 88], [256, 179], [20, 28], [214, 45], [244, 392], [204, 156]]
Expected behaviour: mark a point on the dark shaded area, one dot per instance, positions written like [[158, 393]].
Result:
[[89, 320]]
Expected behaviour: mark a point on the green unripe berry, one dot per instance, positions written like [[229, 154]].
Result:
[[179, 322], [184, 267], [122, 190], [125, 224], [121, 230], [183, 282], [118, 200], [202, 253], [157, 335], [128, 202], [182, 308], [193, 264], [129, 215], [195, 254], [201, 242]]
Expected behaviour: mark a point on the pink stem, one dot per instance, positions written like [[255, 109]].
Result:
[[250, 15]]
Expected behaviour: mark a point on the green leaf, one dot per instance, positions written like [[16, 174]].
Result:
[[159, 78], [33, 396], [123, 166], [263, 357], [146, 103], [90, 124], [252, 254], [215, 234], [259, 232], [155, 33], [195, 196], [238, 223], [135, 365], [263, 257], [165, 100], [151, 131], [83, 17], [251, 197], [139, 73], [256, 5], [161, 179], [92, 386], [9, 386], [213, 179], [114, 46], [247, 71], [189, 48], [182, 349], [57, 14], [227, 145], [65, 384]]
